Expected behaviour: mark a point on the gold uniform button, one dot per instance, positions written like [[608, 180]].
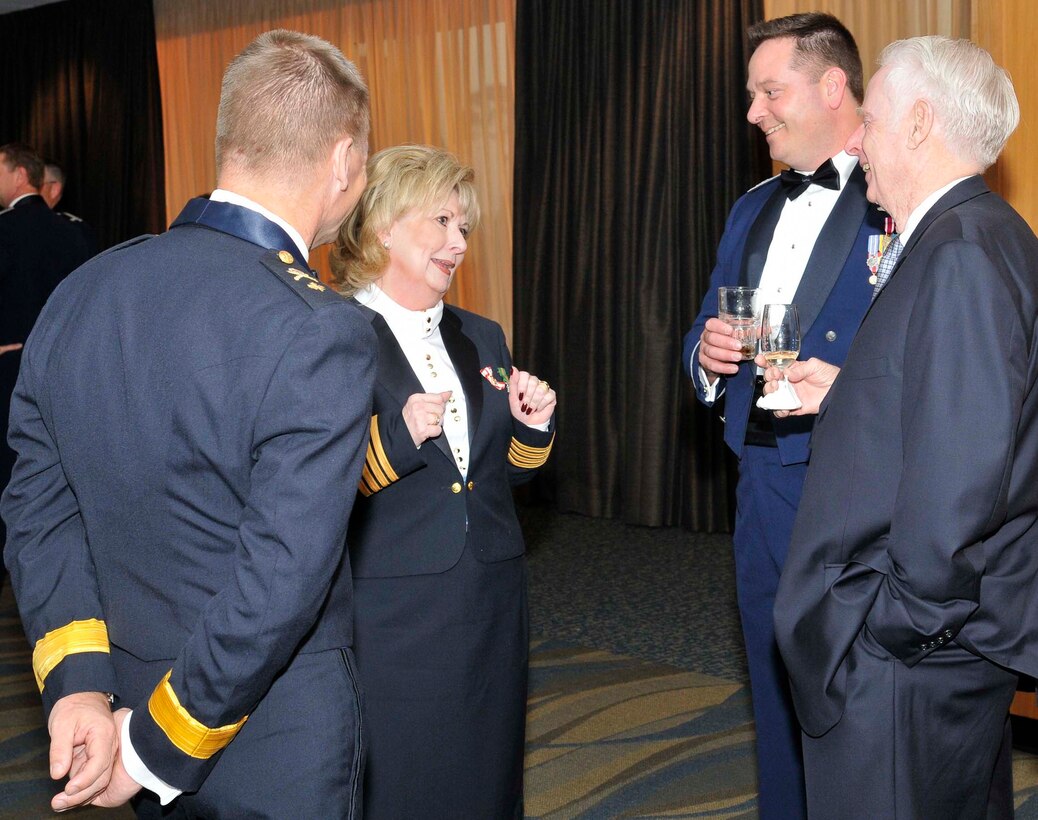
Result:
[[455, 488], [286, 257], [472, 485]]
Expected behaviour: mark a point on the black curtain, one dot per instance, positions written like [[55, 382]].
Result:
[[631, 145], [81, 85]]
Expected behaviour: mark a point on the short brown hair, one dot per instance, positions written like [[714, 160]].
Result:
[[400, 179], [286, 99], [20, 155], [822, 41]]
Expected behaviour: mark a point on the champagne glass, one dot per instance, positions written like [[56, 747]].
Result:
[[780, 335]]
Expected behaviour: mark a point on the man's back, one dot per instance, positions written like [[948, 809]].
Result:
[[37, 250], [152, 375]]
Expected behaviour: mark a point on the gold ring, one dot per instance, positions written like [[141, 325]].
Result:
[[546, 385]]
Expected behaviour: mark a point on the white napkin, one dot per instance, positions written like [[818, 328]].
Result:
[[785, 398]]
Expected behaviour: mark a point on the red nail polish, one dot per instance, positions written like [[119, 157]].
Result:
[[520, 397], [523, 408]]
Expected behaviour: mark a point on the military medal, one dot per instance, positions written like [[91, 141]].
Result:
[[877, 245]]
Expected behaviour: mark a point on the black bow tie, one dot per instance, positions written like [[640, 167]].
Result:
[[795, 183]]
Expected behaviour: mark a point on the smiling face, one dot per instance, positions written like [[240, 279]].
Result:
[[881, 145], [789, 107], [425, 249]]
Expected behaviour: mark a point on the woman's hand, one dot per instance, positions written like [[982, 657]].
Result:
[[531, 400], [423, 415]]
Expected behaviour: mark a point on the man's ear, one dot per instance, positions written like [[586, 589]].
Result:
[[922, 123], [341, 162], [834, 86]]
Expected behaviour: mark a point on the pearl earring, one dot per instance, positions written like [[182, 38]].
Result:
[[386, 244]]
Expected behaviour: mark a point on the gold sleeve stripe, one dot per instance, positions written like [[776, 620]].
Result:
[[526, 457], [79, 636], [378, 473], [183, 731], [380, 453], [367, 484], [379, 478]]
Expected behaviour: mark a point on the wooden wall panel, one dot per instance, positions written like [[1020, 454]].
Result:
[[1000, 28], [878, 22]]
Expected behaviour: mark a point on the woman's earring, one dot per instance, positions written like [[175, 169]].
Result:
[[386, 244]]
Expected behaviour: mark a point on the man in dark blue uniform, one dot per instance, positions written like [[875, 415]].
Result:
[[803, 238], [37, 250], [52, 190], [190, 422]]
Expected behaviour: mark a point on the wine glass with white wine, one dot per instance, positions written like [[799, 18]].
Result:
[[780, 335]]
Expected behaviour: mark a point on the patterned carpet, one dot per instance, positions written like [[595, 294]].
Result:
[[638, 705]]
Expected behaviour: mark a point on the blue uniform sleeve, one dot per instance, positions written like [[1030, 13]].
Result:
[[309, 443], [52, 573], [725, 273]]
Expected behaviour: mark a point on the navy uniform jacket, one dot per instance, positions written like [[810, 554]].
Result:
[[919, 518], [832, 297], [187, 405], [425, 482], [38, 249], [89, 237]]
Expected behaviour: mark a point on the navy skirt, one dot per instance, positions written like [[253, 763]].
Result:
[[443, 664]]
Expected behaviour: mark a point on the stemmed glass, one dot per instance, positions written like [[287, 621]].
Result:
[[780, 336]]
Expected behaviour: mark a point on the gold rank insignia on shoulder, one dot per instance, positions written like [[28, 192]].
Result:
[[313, 283], [286, 257]]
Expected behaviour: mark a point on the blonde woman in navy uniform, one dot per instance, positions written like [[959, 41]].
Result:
[[436, 549]]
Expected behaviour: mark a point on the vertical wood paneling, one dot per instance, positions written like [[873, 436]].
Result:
[[1003, 29]]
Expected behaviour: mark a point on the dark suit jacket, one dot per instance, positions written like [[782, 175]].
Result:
[[38, 249], [832, 297], [415, 511], [919, 517], [186, 408]]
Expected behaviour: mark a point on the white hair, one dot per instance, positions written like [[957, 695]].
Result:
[[974, 102]]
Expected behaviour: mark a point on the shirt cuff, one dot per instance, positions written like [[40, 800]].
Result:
[[136, 769], [543, 426], [710, 391]]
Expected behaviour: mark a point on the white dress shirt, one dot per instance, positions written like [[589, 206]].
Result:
[[418, 334]]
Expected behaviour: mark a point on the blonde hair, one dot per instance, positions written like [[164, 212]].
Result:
[[400, 179], [286, 99]]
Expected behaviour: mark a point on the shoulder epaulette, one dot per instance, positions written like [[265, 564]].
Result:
[[129, 243], [70, 217], [763, 182], [299, 278]]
